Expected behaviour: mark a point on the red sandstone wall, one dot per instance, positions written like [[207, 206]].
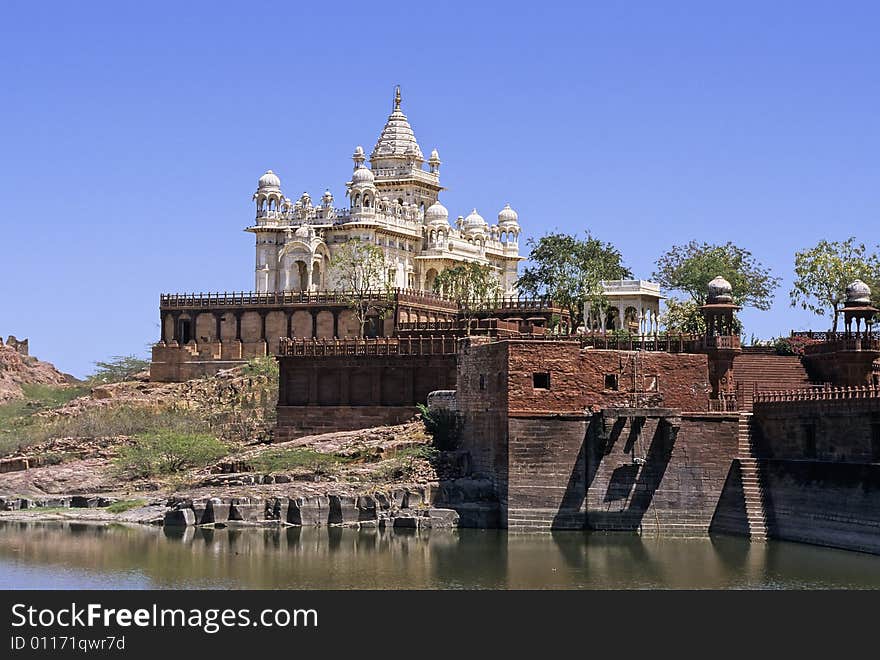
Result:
[[844, 430], [572, 472], [832, 504], [577, 378], [484, 409], [297, 421], [676, 490]]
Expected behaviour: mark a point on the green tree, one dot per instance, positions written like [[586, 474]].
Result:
[[683, 317], [118, 368], [823, 272], [689, 268], [568, 270], [474, 287], [361, 273]]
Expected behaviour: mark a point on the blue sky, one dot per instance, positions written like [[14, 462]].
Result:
[[132, 135]]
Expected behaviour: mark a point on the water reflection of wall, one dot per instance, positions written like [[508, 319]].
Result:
[[344, 558]]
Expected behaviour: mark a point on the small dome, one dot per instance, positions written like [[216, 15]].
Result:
[[507, 216], [303, 231], [858, 293], [474, 222], [327, 197], [359, 150], [436, 214], [269, 180], [435, 157], [362, 176], [720, 291]]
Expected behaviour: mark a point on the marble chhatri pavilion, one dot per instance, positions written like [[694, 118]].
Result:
[[392, 203]]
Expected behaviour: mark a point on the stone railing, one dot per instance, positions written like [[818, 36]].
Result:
[[723, 341], [843, 342], [400, 295], [826, 393], [408, 346]]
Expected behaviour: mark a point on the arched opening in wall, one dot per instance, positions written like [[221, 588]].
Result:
[[430, 276], [302, 274], [184, 331], [316, 275], [631, 319], [367, 201], [611, 318], [400, 200], [373, 327]]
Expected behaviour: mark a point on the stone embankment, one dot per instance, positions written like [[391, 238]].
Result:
[[398, 508]]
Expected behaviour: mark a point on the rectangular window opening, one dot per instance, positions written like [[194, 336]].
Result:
[[611, 382], [541, 381]]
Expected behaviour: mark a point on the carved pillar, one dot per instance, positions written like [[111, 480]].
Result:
[[175, 331]]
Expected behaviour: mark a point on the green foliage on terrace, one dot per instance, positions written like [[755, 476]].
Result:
[[165, 452], [17, 421]]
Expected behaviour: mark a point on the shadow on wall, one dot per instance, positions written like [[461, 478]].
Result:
[[630, 488]]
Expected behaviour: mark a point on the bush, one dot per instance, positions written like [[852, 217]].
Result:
[[443, 425], [275, 460], [794, 345], [118, 369], [167, 452], [125, 505]]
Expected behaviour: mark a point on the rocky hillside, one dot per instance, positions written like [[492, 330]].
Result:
[[17, 368]]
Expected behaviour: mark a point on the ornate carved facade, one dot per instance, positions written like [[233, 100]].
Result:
[[392, 203]]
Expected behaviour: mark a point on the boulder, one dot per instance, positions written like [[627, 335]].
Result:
[[277, 508], [202, 511], [219, 510], [440, 519], [179, 518], [309, 511], [367, 508], [343, 510], [247, 509]]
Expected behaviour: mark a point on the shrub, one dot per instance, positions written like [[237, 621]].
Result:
[[262, 366], [118, 368], [793, 345], [125, 505], [167, 452], [275, 460], [443, 425]]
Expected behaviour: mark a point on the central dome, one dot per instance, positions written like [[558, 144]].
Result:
[[397, 139]]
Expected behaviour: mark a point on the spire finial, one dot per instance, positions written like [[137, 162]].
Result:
[[397, 98]]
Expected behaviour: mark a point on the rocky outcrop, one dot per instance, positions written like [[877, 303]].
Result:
[[17, 368]]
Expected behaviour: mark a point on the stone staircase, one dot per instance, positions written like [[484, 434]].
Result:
[[761, 372], [753, 494]]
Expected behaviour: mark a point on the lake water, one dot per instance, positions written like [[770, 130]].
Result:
[[82, 556]]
